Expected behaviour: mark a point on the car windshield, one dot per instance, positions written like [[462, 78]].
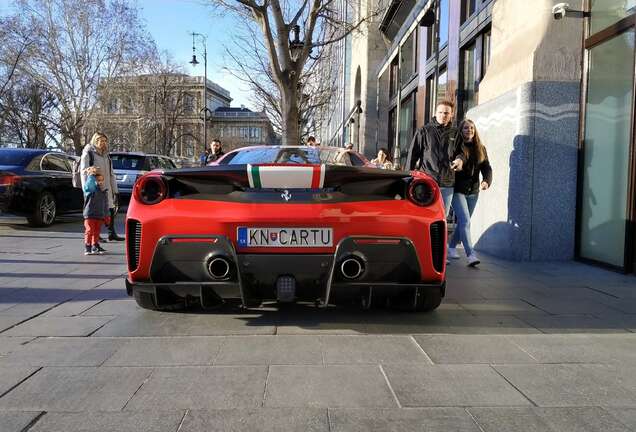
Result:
[[17, 158], [127, 162], [293, 155]]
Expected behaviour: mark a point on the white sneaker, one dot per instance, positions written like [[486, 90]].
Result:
[[473, 260], [452, 253]]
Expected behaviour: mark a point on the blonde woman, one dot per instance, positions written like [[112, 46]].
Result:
[[467, 187], [97, 152], [382, 160]]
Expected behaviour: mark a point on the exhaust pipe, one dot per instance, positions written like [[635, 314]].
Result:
[[219, 267], [352, 267]]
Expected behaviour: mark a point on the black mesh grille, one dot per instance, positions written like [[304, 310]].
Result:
[[133, 241], [438, 240]]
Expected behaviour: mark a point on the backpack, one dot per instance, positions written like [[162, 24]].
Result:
[[77, 171]]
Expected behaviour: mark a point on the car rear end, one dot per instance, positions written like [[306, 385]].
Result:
[[286, 232], [128, 167], [12, 171]]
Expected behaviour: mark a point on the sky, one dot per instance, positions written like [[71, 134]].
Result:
[[170, 23]]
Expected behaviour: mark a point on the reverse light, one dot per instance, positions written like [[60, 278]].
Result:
[[151, 189], [422, 193]]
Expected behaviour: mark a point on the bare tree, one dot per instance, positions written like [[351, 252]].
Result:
[[323, 23], [72, 45]]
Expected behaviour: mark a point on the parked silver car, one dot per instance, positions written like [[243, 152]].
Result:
[[130, 166]]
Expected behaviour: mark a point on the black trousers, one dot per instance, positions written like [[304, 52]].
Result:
[[111, 225]]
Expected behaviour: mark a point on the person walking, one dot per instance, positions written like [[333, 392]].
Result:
[[100, 158], [467, 187], [436, 150], [95, 209]]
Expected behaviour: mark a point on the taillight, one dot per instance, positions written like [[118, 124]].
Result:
[[8, 179], [151, 189], [422, 192]]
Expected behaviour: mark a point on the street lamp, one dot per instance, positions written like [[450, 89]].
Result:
[[296, 45], [194, 62]]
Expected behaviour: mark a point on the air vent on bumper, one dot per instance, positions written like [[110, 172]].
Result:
[[133, 241], [438, 240]]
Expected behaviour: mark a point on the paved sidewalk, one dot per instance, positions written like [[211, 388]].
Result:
[[514, 346]]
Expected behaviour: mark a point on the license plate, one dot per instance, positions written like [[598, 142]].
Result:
[[284, 237]]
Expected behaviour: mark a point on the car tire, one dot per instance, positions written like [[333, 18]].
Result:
[[428, 301], [147, 300], [45, 210]]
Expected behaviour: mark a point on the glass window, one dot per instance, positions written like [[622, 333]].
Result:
[[607, 12], [485, 53], [126, 161], [443, 22], [54, 163], [429, 43], [392, 128], [430, 89], [608, 117], [442, 84], [188, 103], [290, 155], [468, 8], [407, 68], [407, 124], [468, 79], [394, 78]]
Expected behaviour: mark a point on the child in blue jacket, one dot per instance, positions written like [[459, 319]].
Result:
[[95, 210]]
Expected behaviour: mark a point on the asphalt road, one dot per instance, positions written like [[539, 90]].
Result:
[[514, 346]]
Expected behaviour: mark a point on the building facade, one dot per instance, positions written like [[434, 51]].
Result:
[[553, 101], [238, 127]]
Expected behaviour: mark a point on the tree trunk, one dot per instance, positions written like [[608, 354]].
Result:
[[291, 117]]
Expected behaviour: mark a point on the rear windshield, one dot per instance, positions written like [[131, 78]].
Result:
[[293, 155], [17, 158], [127, 162]]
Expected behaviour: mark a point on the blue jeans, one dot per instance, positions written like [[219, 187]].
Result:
[[463, 206], [447, 196]]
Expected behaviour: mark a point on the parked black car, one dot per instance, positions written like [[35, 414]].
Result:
[[38, 184]]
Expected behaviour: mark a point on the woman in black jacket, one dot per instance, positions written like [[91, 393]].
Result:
[[467, 186]]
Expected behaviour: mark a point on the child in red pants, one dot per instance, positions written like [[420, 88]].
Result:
[[95, 210]]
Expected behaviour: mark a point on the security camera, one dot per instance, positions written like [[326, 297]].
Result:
[[560, 10]]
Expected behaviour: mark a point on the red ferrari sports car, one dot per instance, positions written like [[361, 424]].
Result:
[[286, 223]]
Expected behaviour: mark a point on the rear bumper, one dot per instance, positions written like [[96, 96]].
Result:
[[180, 267]]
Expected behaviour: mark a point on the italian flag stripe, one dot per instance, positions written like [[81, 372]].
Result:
[[286, 176]]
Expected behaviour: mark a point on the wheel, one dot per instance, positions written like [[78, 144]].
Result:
[[45, 210], [428, 301], [147, 300]]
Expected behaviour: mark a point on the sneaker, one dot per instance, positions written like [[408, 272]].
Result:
[[95, 250], [100, 249], [452, 253], [114, 237], [473, 260], [88, 250]]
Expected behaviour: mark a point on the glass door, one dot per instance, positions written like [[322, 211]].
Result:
[[604, 200]]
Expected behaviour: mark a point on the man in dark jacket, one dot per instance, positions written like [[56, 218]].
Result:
[[216, 151], [436, 150]]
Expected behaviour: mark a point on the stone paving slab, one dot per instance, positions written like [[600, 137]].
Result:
[[262, 420], [12, 375], [75, 389], [451, 385], [473, 349], [58, 326], [168, 351], [184, 324], [578, 348], [328, 387], [577, 323], [268, 350], [585, 419], [218, 387], [626, 415], [63, 352], [16, 421], [114, 307], [372, 350], [150, 421], [500, 307], [7, 322], [10, 344], [567, 385], [401, 420]]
